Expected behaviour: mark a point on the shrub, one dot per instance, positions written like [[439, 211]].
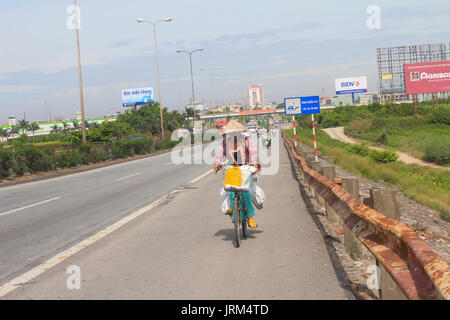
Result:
[[143, 146], [68, 159], [85, 153], [6, 163], [360, 148], [438, 153], [122, 149], [165, 144], [101, 155], [19, 167], [384, 156], [442, 116], [33, 160], [383, 138]]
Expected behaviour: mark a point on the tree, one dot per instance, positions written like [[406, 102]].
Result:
[[189, 114], [93, 125], [13, 131], [4, 133], [23, 125], [65, 128], [33, 127], [55, 129], [76, 126]]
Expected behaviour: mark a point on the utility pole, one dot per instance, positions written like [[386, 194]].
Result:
[[80, 80]]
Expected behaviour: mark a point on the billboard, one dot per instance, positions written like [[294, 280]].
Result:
[[351, 85], [429, 77], [301, 105], [136, 97]]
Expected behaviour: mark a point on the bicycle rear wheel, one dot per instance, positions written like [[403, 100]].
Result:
[[237, 217]]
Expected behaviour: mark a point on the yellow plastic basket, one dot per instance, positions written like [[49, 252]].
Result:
[[233, 177]]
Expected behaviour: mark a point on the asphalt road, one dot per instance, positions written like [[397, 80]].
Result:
[[40, 219], [182, 249]]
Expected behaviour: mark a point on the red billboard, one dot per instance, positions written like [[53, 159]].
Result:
[[427, 77]]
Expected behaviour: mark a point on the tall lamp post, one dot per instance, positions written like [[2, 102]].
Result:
[[192, 74], [218, 68], [80, 80], [140, 20]]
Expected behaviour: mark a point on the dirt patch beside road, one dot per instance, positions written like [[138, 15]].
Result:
[[339, 134]]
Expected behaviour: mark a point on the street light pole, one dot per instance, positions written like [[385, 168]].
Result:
[[80, 80], [192, 73], [140, 20]]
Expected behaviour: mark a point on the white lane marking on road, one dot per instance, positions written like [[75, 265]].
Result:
[[50, 263], [168, 164], [30, 206], [130, 176], [201, 177]]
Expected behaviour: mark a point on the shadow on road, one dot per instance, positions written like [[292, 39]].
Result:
[[228, 234]]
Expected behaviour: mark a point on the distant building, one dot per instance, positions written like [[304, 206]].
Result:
[[342, 100], [367, 98], [12, 121], [360, 99], [78, 115], [325, 101], [198, 106], [255, 95]]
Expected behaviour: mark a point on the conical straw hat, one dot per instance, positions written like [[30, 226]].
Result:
[[234, 126]]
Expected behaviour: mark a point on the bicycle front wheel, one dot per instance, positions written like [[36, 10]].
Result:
[[237, 217], [244, 229]]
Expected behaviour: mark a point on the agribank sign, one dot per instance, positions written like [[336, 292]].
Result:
[[429, 77], [351, 85]]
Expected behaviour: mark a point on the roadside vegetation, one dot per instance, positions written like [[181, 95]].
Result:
[[136, 132], [423, 184], [425, 136]]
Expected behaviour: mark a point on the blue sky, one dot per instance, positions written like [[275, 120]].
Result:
[[291, 47]]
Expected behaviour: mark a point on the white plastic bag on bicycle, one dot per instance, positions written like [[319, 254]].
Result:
[[225, 205], [258, 196]]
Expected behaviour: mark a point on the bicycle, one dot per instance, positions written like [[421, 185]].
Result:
[[237, 181]]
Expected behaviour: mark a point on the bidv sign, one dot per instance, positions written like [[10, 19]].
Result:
[[301, 105], [351, 85]]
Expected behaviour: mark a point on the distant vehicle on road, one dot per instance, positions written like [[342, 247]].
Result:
[[221, 124]]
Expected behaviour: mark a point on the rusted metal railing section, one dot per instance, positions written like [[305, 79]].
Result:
[[418, 271]]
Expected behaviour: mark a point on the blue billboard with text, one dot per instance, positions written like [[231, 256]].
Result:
[[301, 105], [137, 97], [310, 105]]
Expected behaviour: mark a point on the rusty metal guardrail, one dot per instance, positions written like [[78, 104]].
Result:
[[418, 271]]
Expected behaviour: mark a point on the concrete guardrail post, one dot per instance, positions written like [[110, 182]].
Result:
[[309, 157], [351, 243], [330, 173], [317, 167], [385, 202]]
